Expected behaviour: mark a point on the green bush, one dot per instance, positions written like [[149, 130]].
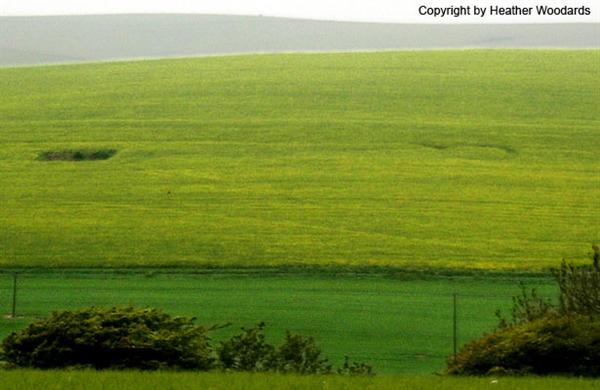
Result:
[[550, 345], [580, 286], [528, 306], [247, 351], [355, 368], [148, 339], [540, 337], [110, 338], [579, 293], [299, 354]]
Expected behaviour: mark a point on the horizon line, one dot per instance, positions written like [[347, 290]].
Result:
[[266, 16]]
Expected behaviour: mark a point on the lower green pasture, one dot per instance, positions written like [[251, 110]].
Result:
[[398, 326]]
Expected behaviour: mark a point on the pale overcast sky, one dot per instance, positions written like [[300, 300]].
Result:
[[406, 11]]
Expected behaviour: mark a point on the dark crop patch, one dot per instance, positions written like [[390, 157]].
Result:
[[434, 145], [76, 155], [474, 151]]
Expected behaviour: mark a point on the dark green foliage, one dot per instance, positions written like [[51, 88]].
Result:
[[77, 155], [247, 351], [148, 339], [355, 368], [550, 345], [579, 293], [301, 355], [527, 306], [297, 354], [580, 286], [541, 338], [110, 338]]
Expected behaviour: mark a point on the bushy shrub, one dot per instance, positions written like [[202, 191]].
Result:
[[526, 307], [297, 354], [110, 338], [148, 339], [301, 355], [355, 368], [540, 337], [579, 293], [550, 345], [247, 351], [580, 286]]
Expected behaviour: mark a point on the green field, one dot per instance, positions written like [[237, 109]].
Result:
[[397, 325], [91, 380], [468, 159]]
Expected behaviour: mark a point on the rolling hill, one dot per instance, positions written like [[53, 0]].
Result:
[[57, 39], [469, 159]]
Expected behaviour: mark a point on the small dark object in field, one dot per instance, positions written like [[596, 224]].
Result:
[[77, 155]]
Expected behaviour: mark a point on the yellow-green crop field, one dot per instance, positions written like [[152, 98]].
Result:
[[443, 159]]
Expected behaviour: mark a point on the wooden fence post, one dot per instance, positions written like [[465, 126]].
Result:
[[14, 296], [454, 325]]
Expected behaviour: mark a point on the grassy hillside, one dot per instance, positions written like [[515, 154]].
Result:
[[474, 159], [21, 379]]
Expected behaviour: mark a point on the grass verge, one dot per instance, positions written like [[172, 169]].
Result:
[[91, 380]]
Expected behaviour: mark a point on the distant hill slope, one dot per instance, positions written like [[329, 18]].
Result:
[[442, 159], [51, 39]]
